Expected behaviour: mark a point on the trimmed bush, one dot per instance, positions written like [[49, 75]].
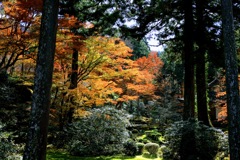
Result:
[[103, 132], [152, 148], [208, 141]]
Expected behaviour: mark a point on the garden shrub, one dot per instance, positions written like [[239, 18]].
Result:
[[140, 148], [103, 132], [7, 148], [14, 110], [130, 148], [59, 138], [209, 141], [8, 95], [154, 136], [152, 148], [161, 113]]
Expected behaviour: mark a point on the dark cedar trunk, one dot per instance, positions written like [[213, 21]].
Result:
[[74, 74], [231, 79], [188, 150], [202, 108], [188, 59], [37, 136], [200, 64]]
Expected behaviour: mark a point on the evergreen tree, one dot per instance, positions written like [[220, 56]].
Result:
[[231, 79], [37, 135], [202, 107], [139, 47], [189, 94], [188, 150]]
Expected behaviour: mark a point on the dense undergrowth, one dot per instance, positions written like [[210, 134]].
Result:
[[140, 130]]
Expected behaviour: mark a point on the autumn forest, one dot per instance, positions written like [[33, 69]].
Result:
[[80, 79]]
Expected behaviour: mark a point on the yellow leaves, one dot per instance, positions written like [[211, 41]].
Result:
[[80, 113], [126, 98]]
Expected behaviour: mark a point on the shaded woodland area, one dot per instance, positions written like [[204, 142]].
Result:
[[78, 79]]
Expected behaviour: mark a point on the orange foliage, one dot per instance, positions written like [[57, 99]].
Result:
[[22, 10], [66, 42], [19, 29], [220, 94], [152, 63], [106, 73], [67, 22], [115, 78]]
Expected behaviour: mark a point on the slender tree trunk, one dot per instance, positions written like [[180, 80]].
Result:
[[37, 136], [202, 107], [74, 74], [73, 81], [188, 59], [231, 79]]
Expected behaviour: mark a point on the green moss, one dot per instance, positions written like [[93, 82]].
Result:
[[61, 155], [151, 136], [149, 156]]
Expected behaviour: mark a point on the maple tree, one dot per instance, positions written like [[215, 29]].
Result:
[[66, 43], [152, 63], [19, 30], [108, 75], [105, 73]]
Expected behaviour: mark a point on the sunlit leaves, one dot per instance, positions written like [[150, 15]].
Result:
[[152, 63], [115, 73]]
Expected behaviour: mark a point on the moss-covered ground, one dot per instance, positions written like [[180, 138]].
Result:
[[61, 155]]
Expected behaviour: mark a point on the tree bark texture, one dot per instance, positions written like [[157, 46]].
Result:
[[188, 59], [231, 79], [37, 136], [200, 64]]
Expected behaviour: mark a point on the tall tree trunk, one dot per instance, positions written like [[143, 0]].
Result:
[[231, 79], [74, 74], [200, 64], [188, 150], [37, 136], [188, 59]]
